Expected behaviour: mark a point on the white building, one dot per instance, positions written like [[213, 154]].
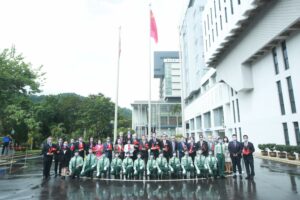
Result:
[[252, 45]]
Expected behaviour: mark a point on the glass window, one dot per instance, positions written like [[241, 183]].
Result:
[[211, 16], [221, 22], [218, 116], [238, 110], [240, 132], [286, 133], [281, 102], [291, 94], [285, 56], [233, 110], [215, 8], [207, 120], [225, 10], [219, 5], [297, 132], [217, 29], [198, 123], [275, 60], [231, 5], [192, 124]]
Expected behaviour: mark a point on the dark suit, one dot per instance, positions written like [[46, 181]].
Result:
[[235, 150], [203, 146], [167, 149], [155, 147], [248, 158], [57, 155], [182, 146], [174, 146], [192, 150], [108, 147], [89, 146], [80, 147], [47, 159]]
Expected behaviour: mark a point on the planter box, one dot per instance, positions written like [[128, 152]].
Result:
[[272, 154], [291, 157], [264, 153], [281, 155]]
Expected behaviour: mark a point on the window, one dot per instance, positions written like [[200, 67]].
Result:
[[221, 25], [240, 132], [205, 28], [206, 45], [211, 18], [281, 102], [291, 94], [207, 120], [231, 6], [233, 110], [207, 22], [232, 92], [238, 110], [297, 132], [209, 40], [198, 123], [285, 56], [192, 124], [218, 116], [213, 35], [235, 131], [275, 60], [239, 2], [225, 9], [286, 133], [215, 9], [219, 5], [217, 29]]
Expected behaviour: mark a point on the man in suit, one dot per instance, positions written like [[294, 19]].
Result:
[[108, 147], [57, 155], [90, 145], [154, 145], [80, 147], [174, 145], [182, 147], [235, 150], [48, 151], [248, 149], [202, 145], [167, 148], [192, 148]]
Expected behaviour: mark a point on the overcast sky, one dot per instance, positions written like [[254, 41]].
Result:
[[77, 42]]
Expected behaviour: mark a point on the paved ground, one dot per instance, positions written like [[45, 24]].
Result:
[[273, 181]]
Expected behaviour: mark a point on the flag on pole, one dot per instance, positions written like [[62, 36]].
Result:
[[153, 28]]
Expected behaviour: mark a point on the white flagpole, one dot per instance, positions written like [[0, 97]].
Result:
[[149, 100], [117, 90]]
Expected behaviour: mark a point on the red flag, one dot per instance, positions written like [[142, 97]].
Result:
[[153, 29]]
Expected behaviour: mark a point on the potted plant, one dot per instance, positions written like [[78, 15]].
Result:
[[297, 150], [281, 148], [291, 152], [263, 147], [271, 147]]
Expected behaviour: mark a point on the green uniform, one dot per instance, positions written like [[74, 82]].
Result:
[[127, 167], [201, 166], [212, 165], [174, 165], [102, 166], [151, 167], [75, 166], [162, 166], [219, 153], [116, 167], [187, 165], [139, 167], [89, 165]]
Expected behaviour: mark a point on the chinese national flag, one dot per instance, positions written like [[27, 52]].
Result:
[[153, 29]]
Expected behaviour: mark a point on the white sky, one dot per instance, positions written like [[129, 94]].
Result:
[[77, 42]]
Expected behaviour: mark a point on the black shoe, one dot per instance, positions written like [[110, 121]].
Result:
[[234, 176]]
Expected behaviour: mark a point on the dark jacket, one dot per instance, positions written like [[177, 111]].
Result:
[[203, 147], [248, 150], [235, 149], [48, 149]]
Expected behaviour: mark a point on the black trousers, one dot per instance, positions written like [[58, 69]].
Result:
[[236, 162], [249, 165], [57, 165], [47, 162], [5, 146]]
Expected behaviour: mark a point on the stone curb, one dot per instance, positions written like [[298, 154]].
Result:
[[276, 159]]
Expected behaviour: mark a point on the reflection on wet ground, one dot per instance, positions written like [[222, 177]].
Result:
[[273, 181]]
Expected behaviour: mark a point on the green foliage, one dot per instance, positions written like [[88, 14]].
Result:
[[291, 149], [280, 147], [271, 146], [262, 147]]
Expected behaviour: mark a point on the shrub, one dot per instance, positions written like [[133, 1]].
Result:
[[280, 147], [262, 147], [271, 146], [291, 149]]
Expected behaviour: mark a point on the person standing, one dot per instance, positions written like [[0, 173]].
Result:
[[167, 148], [192, 148], [119, 148], [72, 147], [154, 145], [182, 147], [47, 152], [219, 154], [65, 158], [108, 147], [248, 149], [136, 144], [90, 145], [143, 148], [202, 145], [57, 154], [6, 142], [174, 145], [98, 149], [227, 156], [235, 150], [80, 146]]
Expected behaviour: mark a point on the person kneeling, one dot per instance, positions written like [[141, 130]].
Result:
[[212, 163], [116, 166], [151, 167], [75, 165], [127, 166], [139, 167], [187, 165], [201, 165], [162, 165], [89, 165], [103, 166], [174, 165]]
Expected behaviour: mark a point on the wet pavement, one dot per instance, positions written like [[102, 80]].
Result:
[[272, 181]]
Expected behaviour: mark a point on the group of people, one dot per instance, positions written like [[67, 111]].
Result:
[[158, 158]]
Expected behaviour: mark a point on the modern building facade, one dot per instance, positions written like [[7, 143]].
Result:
[[252, 46], [167, 69], [165, 117]]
